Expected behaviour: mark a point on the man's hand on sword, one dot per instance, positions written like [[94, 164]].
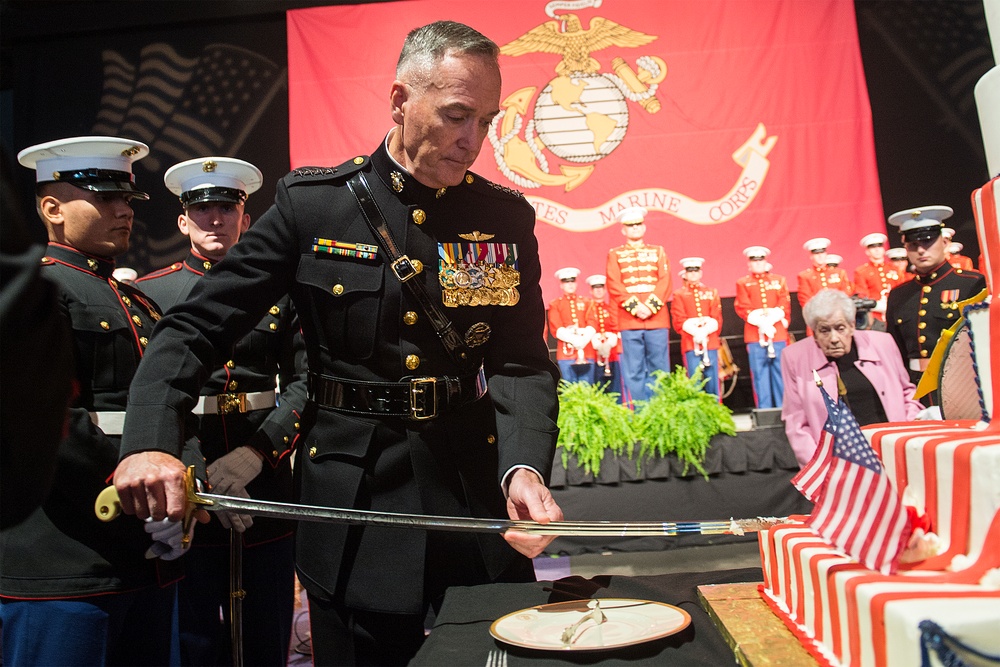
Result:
[[528, 498], [151, 484]]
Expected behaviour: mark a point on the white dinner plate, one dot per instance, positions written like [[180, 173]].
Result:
[[627, 622]]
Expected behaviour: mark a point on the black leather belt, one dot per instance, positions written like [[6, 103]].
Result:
[[417, 398]]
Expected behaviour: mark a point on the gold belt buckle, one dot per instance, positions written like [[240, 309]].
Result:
[[227, 403], [418, 391]]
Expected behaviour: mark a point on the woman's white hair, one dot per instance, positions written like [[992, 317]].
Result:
[[826, 304]]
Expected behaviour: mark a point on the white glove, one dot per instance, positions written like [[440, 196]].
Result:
[[775, 315], [235, 520], [880, 305], [700, 326], [767, 330], [228, 476], [603, 343], [583, 336], [608, 340], [566, 334], [167, 536], [756, 317], [931, 413], [234, 471]]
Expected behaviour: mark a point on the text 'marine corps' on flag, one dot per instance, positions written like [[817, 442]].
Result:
[[858, 511], [732, 122]]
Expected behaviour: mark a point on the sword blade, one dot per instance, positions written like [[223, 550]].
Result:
[[296, 512]]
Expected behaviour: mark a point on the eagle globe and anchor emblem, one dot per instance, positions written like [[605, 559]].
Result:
[[582, 114]]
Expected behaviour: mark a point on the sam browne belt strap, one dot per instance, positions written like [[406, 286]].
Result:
[[404, 271]]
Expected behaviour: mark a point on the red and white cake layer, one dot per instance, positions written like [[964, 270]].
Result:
[[846, 614]]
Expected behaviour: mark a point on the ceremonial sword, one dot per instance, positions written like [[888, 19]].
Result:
[[107, 508]]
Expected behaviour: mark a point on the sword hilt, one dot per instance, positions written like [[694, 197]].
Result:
[[108, 505]]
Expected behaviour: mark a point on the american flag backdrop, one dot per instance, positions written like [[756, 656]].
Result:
[[859, 511]]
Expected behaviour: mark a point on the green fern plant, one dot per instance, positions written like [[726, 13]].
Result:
[[680, 419], [590, 423]]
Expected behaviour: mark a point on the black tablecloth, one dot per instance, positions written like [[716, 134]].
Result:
[[461, 632], [748, 475]]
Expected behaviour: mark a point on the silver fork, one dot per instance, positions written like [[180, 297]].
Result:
[[496, 658]]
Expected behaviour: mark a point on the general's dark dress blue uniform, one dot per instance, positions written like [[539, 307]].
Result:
[[274, 348], [364, 444]]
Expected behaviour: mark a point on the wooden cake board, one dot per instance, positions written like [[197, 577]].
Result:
[[758, 637]]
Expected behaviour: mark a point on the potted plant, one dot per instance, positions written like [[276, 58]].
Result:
[[680, 419], [592, 422]]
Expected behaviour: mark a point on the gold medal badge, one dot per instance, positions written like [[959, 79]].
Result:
[[477, 334]]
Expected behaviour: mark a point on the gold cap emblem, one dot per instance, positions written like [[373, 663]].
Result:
[[209, 166], [129, 152]]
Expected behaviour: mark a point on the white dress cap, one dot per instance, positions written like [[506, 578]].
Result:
[[896, 253], [948, 232], [125, 274], [816, 245], [213, 179], [568, 273], [833, 260], [955, 247], [632, 216], [756, 252], [873, 239], [693, 262], [917, 218], [99, 164], [597, 279]]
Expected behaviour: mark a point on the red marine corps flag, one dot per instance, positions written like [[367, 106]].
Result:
[[731, 122]]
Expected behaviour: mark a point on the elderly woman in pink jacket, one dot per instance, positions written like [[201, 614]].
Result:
[[864, 367]]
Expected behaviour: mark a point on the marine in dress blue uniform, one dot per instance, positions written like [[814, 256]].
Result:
[[917, 311], [395, 422], [235, 421], [74, 590]]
